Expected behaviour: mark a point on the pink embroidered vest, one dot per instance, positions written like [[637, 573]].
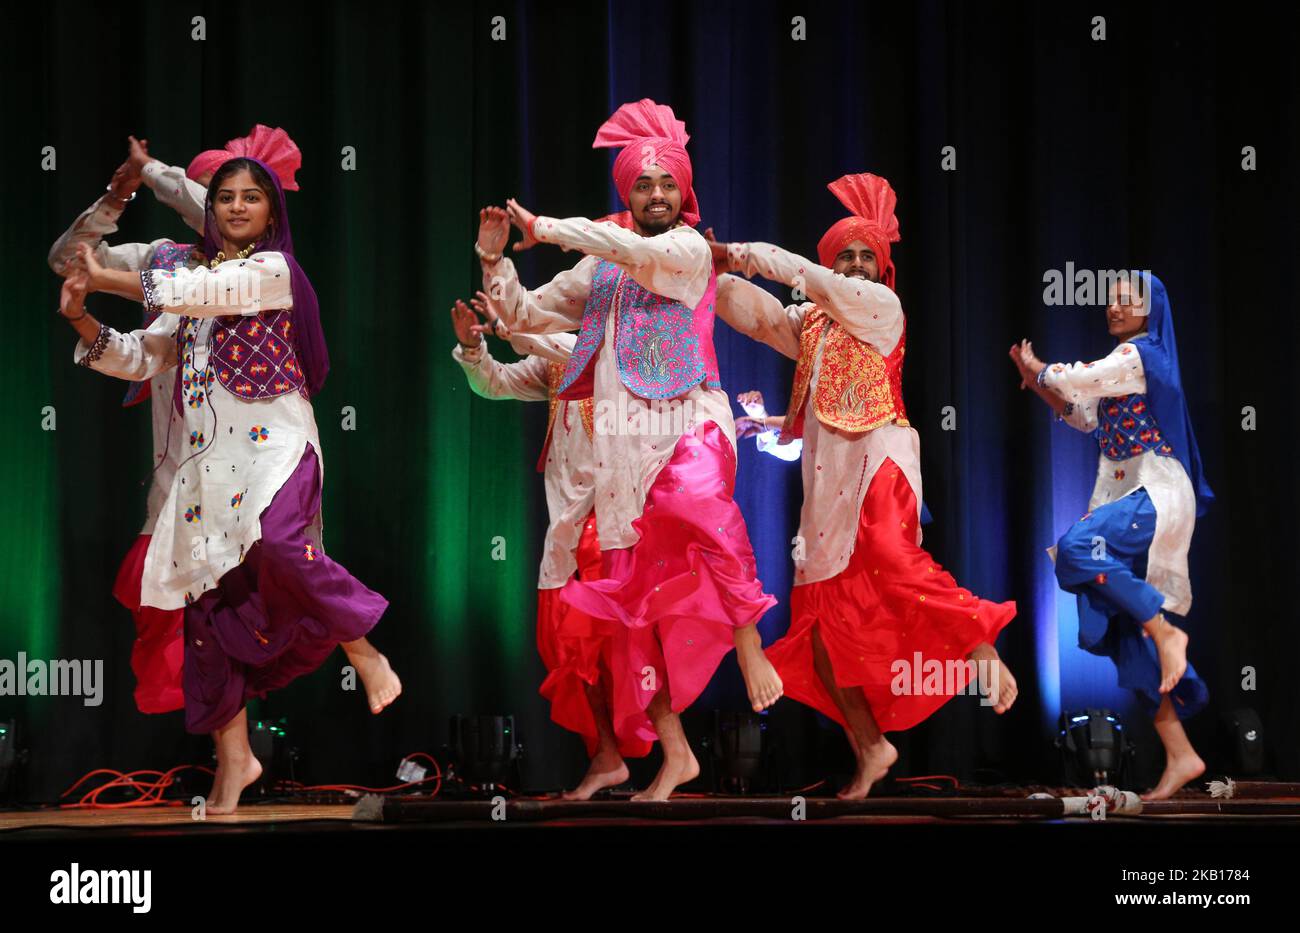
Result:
[[663, 348]]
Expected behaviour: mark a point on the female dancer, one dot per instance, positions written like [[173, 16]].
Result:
[[263, 603]]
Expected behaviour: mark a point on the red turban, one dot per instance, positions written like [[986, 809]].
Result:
[[272, 147], [872, 202], [649, 134]]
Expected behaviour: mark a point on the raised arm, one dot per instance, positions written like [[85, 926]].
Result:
[[1119, 373], [526, 380], [869, 311], [172, 187], [676, 264], [1077, 413], [260, 282], [554, 308], [759, 315], [134, 356]]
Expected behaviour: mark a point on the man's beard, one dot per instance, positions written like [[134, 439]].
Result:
[[659, 224]]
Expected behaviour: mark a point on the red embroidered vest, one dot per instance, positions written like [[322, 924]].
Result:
[[857, 388], [586, 408]]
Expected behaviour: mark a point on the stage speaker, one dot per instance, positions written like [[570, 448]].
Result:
[[269, 741], [1241, 742], [737, 748], [483, 747], [1095, 748]]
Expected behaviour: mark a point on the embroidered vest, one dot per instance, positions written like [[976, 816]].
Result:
[[1127, 428], [167, 256], [253, 356], [586, 408], [857, 388], [663, 348]]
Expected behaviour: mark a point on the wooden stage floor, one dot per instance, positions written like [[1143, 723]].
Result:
[[378, 813]]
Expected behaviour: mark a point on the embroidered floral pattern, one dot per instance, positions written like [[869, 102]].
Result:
[[1125, 429], [663, 348], [254, 356], [236, 500], [97, 348], [194, 513], [857, 388], [309, 552], [197, 439], [258, 433]]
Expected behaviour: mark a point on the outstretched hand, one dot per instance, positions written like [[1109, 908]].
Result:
[[522, 218], [487, 307], [1028, 365], [72, 296], [137, 154], [88, 263], [465, 323], [493, 230]]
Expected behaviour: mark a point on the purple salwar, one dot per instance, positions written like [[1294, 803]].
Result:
[[274, 617]]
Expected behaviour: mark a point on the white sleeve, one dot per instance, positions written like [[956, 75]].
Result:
[[555, 307], [1120, 373], [135, 356], [869, 311], [759, 315], [675, 264], [91, 226], [526, 380], [1081, 415], [554, 348], [239, 286], [176, 190], [768, 444]]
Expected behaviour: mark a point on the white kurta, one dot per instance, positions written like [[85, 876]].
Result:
[[1083, 385], [634, 437], [91, 227], [236, 454], [568, 477], [838, 465]]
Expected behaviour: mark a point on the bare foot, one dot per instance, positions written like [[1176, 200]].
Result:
[[761, 679], [1178, 771], [607, 770], [675, 772], [1000, 691], [381, 682], [231, 779], [1171, 646], [873, 763]]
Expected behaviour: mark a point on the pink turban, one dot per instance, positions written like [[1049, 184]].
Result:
[[649, 134], [270, 146], [872, 202]]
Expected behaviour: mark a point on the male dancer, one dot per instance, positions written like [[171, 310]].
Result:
[[574, 647], [868, 603], [1127, 558], [680, 573]]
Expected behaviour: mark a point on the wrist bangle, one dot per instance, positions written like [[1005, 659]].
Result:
[[109, 189], [59, 313], [487, 257]]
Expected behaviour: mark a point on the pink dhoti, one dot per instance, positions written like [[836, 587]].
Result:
[[682, 590]]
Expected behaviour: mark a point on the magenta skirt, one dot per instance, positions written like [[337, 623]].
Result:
[[682, 590], [274, 617]]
